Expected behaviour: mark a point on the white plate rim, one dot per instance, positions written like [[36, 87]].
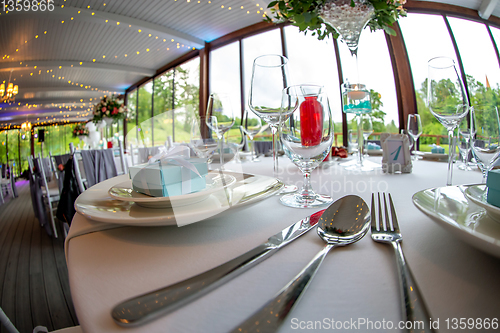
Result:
[[482, 241], [190, 196], [165, 217], [484, 204]]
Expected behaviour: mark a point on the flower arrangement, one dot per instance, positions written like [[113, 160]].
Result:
[[305, 14], [109, 108], [80, 130]]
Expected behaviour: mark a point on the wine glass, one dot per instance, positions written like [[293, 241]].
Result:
[[269, 78], [464, 148], [220, 118], [414, 127], [251, 126], [485, 137], [201, 141], [447, 100], [367, 130], [307, 137]]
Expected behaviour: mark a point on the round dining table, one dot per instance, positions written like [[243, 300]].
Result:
[[355, 289]]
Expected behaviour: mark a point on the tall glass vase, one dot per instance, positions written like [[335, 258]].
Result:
[[348, 21]]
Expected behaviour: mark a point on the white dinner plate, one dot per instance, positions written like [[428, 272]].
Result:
[[449, 207], [477, 194], [215, 181], [374, 152], [432, 156], [96, 203]]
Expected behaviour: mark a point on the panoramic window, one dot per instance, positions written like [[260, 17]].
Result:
[[432, 29], [479, 60], [131, 135], [144, 115], [163, 101]]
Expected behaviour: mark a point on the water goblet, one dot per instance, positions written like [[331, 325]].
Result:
[[367, 130], [201, 141], [485, 137], [464, 147], [414, 127], [447, 100], [251, 126], [307, 137], [220, 118], [269, 78]]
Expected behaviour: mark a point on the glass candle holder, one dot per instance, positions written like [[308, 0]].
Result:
[[356, 98]]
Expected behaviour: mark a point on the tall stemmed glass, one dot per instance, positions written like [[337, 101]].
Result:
[[464, 136], [201, 140], [220, 118], [251, 126], [485, 137], [269, 78], [447, 100], [367, 130], [307, 136], [414, 130]]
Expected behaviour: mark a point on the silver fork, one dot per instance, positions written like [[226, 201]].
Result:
[[413, 305]]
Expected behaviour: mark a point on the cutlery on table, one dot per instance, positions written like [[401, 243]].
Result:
[[344, 222], [143, 308], [413, 305]]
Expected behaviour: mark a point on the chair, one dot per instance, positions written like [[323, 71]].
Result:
[[6, 182], [96, 165], [51, 195]]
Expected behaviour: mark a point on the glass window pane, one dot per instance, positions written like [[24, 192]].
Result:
[[144, 109], [431, 29], [375, 71], [478, 57], [265, 43], [301, 49], [225, 72], [131, 135], [187, 98], [163, 102], [3, 147]]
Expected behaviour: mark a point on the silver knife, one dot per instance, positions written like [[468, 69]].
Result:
[[144, 308]]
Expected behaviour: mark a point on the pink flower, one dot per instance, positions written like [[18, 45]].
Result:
[[103, 109], [115, 111]]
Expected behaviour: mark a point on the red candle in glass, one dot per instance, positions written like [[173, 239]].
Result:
[[311, 118]]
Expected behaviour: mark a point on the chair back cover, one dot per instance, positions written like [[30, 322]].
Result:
[[70, 191], [99, 165]]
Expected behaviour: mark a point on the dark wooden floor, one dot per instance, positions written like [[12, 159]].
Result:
[[34, 287]]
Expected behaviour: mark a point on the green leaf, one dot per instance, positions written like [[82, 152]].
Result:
[[272, 4]]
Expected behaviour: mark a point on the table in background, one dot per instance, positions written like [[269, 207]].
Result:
[[357, 281]]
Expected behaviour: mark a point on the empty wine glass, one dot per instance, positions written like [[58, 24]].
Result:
[[220, 118], [307, 136], [464, 148], [485, 137], [447, 100], [269, 78], [366, 130], [201, 141], [414, 130], [251, 126]]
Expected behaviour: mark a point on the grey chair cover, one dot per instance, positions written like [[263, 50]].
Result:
[[262, 147], [14, 187], [143, 155], [99, 165], [37, 199]]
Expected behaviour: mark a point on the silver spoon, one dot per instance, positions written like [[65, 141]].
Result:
[[345, 222]]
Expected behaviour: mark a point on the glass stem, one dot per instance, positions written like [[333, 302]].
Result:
[[307, 192], [360, 142], [274, 129], [221, 152], [451, 149]]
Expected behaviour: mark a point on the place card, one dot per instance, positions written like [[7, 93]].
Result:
[[396, 153]]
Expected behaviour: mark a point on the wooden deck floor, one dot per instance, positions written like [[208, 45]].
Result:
[[34, 286]]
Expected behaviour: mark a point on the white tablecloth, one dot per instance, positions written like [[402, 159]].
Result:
[[355, 283]]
